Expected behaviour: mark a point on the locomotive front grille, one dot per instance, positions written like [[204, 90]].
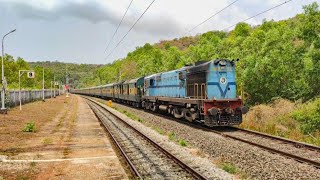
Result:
[[223, 120]]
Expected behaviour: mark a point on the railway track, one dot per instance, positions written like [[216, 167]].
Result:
[[145, 158], [299, 151]]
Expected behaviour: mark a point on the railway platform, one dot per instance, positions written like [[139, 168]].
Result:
[[72, 145]]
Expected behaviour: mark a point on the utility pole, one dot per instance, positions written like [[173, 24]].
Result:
[[51, 90], [67, 82], [3, 108], [54, 86], [30, 74], [59, 88], [43, 98]]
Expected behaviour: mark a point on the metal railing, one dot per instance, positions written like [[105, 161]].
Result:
[[27, 96]]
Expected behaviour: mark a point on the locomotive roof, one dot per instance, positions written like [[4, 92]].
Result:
[[158, 74], [107, 85], [132, 81], [205, 65], [118, 83]]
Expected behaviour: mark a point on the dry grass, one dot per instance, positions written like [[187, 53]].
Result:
[[275, 119], [11, 125]]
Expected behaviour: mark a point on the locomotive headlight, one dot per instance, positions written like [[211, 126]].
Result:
[[223, 63], [213, 111], [223, 80]]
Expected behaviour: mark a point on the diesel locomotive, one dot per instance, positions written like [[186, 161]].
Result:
[[204, 92]]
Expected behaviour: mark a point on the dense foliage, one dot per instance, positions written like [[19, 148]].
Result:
[[79, 75], [76, 72], [309, 116], [277, 59]]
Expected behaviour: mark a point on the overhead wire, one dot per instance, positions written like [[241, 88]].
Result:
[[199, 23], [130, 29], [210, 17], [258, 14], [115, 32]]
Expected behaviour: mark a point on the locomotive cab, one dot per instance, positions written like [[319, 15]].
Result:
[[214, 83]]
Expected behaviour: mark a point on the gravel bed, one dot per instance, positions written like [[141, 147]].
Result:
[[190, 156], [149, 161], [252, 161], [278, 144]]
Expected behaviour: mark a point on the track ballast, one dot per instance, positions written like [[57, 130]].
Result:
[[145, 157]]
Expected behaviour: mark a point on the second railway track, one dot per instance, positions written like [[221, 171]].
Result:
[[147, 159], [299, 151]]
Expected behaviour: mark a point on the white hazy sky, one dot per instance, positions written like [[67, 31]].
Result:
[[78, 30]]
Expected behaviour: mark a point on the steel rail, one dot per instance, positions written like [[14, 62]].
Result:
[[124, 155], [293, 142], [292, 156], [184, 166]]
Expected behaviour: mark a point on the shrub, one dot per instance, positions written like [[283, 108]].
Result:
[[30, 127], [309, 117]]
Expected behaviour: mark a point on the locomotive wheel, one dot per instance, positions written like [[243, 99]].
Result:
[[177, 113], [188, 115], [153, 107]]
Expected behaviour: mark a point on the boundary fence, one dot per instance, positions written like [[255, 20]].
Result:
[[27, 96]]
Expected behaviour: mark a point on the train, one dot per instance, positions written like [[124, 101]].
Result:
[[204, 92]]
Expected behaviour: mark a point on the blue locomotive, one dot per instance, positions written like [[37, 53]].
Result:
[[204, 92]]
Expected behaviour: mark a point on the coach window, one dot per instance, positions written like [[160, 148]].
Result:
[[151, 82]]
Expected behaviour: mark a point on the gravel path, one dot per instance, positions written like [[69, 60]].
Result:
[[252, 161], [189, 156]]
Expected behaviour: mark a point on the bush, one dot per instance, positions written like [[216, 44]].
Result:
[[30, 127], [309, 117]]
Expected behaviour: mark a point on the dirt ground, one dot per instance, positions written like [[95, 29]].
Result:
[[69, 143]]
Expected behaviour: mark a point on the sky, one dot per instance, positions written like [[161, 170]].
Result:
[[78, 31]]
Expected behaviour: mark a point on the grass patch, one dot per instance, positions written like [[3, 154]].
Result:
[[30, 127], [229, 167], [47, 141], [172, 136], [131, 116], [182, 143], [160, 131]]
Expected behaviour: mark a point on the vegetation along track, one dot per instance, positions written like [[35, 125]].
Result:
[[299, 151], [145, 157]]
